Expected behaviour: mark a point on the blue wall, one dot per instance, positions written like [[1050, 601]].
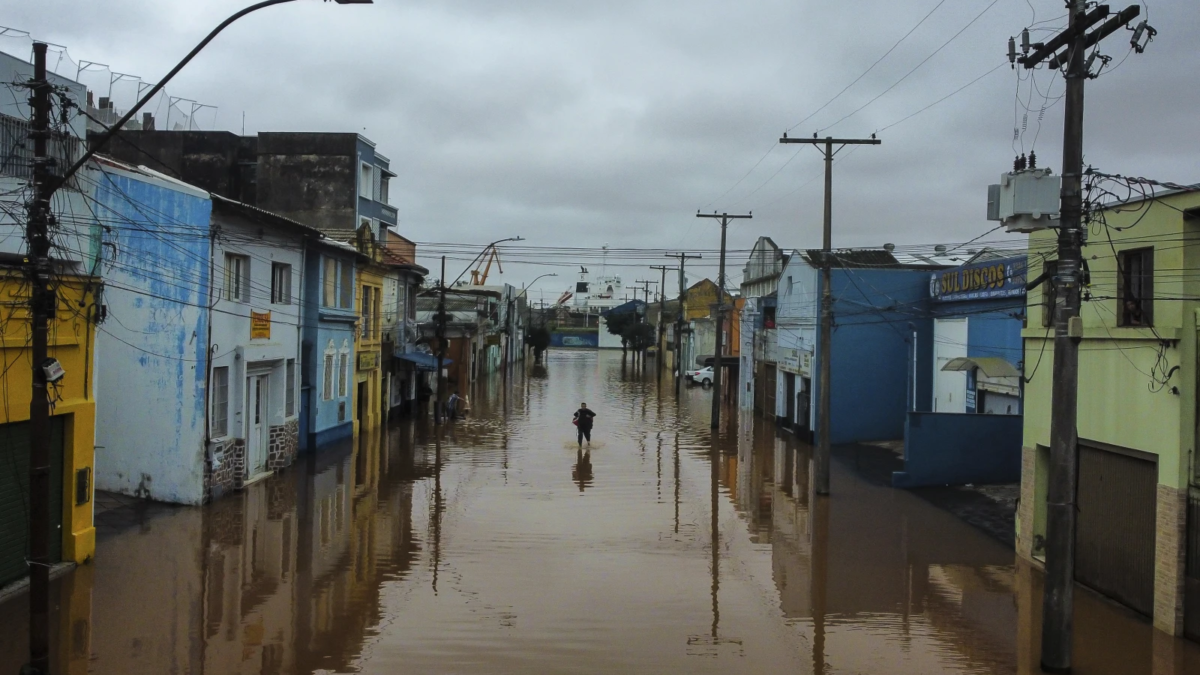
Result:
[[575, 340], [319, 418], [956, 448], [993, 326], [875, 312]]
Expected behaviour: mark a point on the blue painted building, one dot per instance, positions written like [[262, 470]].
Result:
[[881, 343], [969, 430], [327, 348]]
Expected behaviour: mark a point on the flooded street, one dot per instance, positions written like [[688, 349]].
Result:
[[494, 545]]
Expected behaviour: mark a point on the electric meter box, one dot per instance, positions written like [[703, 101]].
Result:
[[1026, 201]]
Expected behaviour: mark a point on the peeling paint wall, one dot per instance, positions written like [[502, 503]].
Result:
[[150, 352]]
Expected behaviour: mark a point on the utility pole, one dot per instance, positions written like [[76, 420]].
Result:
[[678, 346], [718, 352], [42, 302], [644, 287], [1058, 602], [662, 311], [441, 335], [822, 454]]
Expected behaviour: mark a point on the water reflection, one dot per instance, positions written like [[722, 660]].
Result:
[[466, 547]]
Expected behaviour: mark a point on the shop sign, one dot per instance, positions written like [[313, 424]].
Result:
[[795, 361], [982, 281], [260, 325], [368, 360]]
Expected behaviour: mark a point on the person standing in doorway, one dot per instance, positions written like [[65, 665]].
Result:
[[452, 405], [583, 423]]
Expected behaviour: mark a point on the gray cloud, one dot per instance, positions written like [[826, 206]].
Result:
[[581, 123]]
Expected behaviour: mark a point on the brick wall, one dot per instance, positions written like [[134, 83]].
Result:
[[281, 451], [1025, 508], [1169, 561]]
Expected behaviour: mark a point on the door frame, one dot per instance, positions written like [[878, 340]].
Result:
[[258, 380]]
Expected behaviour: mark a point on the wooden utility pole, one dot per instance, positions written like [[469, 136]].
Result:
[[42, 302], [821, 456], [662, 314], [718, 365], [441, 335], [1058, 601], [679, 315]]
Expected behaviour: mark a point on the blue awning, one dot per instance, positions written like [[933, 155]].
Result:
[[425, 361]]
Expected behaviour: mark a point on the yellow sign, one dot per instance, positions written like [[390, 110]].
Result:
[[260, 325], [368, 360]]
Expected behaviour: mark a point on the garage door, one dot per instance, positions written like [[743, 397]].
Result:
[[1114, 537], [14, 497]]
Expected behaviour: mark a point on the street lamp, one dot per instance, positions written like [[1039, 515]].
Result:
[[111, 131], [526, 289], [481, 253]]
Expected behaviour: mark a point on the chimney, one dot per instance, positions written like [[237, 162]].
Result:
[[103, 102], [147, 121], [90, 99]]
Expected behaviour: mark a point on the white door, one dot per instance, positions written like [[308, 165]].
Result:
[[256, 424], [949, 388]]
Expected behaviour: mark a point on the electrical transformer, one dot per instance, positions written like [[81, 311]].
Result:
[[1026, 200]]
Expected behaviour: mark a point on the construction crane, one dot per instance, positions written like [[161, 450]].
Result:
[[562, 299], [491, 254]]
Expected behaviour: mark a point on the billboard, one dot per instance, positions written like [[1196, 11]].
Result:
[[1004, 278]]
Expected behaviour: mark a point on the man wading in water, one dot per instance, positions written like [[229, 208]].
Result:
[[583, 421]]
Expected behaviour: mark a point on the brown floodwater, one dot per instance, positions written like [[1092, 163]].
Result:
[[494, 545]]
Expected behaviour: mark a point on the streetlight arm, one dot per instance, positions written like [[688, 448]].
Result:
[[485, 250], [536, 279], [112, 130]]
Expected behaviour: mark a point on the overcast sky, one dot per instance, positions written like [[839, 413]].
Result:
[[584, 123]]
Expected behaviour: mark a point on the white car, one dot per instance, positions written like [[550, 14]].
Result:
[[704, 375]]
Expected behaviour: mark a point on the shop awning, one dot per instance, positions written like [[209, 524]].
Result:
[[991, 366], [424, 361]]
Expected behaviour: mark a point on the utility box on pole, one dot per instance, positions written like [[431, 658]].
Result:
[[1026, 200]]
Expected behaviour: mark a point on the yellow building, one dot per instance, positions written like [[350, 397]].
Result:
[[1137, 407], [368, 344], [72, 423]]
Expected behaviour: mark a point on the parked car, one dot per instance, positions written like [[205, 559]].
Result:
[[704, 376]]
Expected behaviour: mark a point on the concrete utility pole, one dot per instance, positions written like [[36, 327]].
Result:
[[1058, 601], [645, 289], [662, 310], [683, 258], [821, 457], [42, 303], [718, 365]]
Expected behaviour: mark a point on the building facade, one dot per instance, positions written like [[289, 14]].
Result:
[[328, 344], [1137, 473]]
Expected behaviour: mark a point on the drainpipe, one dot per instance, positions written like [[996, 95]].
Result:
[[208, 349], [916, 357]]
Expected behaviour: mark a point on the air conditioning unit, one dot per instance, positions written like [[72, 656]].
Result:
[[1026, 201]]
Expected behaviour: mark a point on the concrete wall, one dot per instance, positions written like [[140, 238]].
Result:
[[215, 161], [953, 449], [578, 340], [150, 437], [324, 165]]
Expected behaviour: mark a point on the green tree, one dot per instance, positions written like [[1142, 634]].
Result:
[[539, 340], [618, 323], [639, 336]]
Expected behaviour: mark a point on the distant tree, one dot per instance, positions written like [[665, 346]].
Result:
[[639, 336], [618, 323], [539, 340]]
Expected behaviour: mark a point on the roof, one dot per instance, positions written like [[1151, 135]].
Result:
[[992, 366], [873, 259], [624, 308], [262, 215]]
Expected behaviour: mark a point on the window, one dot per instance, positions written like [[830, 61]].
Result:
[[790, 286], [368, 307], [412, 303], [347, 299], [343, 374], [377, 186], [383, 190], [1135, 287], [365, 181], [1049, 292], [768, 317], [281, 284], [220, 401], [581, 287], [327, 382], [237, 278], [329, 288], [290, 397]]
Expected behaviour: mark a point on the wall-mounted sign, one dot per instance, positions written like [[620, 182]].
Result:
[[795, 361], [980, 281], [368, 360], [260, 325]]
